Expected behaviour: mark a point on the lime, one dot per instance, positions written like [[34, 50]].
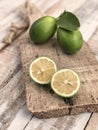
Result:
[[69, 41], [42, 69], [43, 29], [65, 83]]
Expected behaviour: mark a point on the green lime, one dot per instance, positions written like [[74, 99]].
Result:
[[69, 41], [43, 29]]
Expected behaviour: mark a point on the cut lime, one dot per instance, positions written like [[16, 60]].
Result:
[[42, 69], [65, 83]]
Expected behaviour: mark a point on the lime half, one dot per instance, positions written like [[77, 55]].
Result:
[[65, 83], [42, 69]]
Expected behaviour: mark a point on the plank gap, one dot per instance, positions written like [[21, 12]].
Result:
[[88, 121]]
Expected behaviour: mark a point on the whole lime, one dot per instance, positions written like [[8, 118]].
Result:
[[43, 29], [69, 41]]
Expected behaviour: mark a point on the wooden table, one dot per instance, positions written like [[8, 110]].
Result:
[[13, 112]]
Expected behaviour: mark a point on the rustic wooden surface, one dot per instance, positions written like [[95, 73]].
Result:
[[44, 103], [13, 111]]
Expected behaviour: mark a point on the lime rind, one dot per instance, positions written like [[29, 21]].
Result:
[[66, 95]]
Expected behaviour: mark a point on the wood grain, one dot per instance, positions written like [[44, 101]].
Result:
[[93, 123], [29, 122], [12, 97], [22, 117]]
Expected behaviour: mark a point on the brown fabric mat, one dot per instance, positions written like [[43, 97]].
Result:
[[41, 100]]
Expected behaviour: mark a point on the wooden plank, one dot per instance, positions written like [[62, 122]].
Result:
[[21, 119], [55, 10], [86, 10], [11, 88], [10, 113], [67, 122], [93, 123], [90, 25], [45, 5], [12, 58], [62, 123], [92, 42], [11, 99], [39, 124], [7, 7]]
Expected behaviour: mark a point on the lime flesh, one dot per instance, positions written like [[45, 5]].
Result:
[[65, 83], [42, 69]]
